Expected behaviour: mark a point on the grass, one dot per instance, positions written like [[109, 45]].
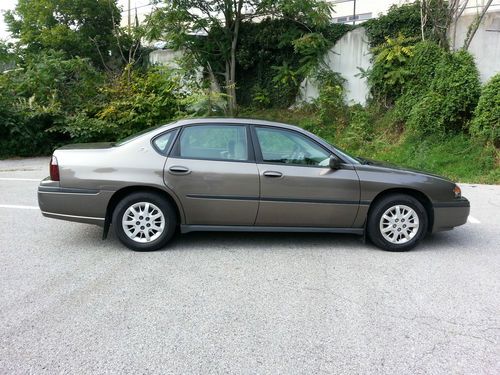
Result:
[[458, 156]]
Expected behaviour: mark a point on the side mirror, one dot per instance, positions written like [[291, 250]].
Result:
[[334, 162]]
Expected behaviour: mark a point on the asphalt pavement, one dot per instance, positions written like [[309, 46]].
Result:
[[243, 303]]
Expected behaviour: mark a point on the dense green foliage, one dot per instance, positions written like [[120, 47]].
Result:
[[420, 72], [451, 98], [275, 55], [128, 106], [486, 123], [389, 73], [40, 94], [51, 100], [148, 100], [422, 111], [81, 28], [406, 20], [431, 90], [293, 29], [403, 20]]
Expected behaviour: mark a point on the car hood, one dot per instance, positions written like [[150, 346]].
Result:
[[386, 165]]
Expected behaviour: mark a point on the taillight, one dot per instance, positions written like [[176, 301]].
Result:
[[54, 169]]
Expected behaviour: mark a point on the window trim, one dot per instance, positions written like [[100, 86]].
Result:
[[175, 151], [175, 131], [260, 158]]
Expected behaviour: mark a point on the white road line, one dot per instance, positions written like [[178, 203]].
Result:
[[473, 220], [20, 179], [18, 206]]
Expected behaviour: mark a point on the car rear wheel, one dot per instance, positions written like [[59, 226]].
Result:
[[144, 221], [397, 223]]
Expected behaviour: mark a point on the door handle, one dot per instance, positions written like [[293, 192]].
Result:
[[178, 169], [273, 174]]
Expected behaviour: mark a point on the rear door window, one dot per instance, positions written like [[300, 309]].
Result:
[[214, 142]]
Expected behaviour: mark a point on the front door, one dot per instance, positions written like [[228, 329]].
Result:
[[212, 170], [298, 188]]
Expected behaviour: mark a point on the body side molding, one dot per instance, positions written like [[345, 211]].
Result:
[[252, 228]]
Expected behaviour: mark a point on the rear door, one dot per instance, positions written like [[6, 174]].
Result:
[[298, 188], [212, 170]]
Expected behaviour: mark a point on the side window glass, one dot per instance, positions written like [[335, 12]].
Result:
[[214, 142], [162, 143], [289, 147]]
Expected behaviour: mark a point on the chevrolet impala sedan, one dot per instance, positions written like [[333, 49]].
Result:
[[247, 176]]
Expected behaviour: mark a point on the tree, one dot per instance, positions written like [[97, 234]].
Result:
[[81, 28], [180, 21], [475, 24], [436, 16], [8, 57], [444, 15]]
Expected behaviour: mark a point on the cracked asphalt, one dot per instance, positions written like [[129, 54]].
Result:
[[243, 303]]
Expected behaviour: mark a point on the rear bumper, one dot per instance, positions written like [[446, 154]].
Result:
[[80, 205], [448, 215]]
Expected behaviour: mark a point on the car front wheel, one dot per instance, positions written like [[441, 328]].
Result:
[[397, 223], [144, 221]]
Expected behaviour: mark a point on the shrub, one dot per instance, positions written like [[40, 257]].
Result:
[[389, 73], [330, 102], [43, 92], [360, 129], [275, 55], [404, 19], [451, 98], [427, 116], [486, 121], [81, 128], [51, 100], [50, 77], [142, 101], [421, 69]]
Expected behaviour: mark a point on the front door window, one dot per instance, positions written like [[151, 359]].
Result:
[[289, 147]]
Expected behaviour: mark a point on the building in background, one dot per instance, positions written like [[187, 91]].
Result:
[[355, 12]]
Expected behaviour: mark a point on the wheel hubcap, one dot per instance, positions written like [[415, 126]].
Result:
[[143, 222], [399, 224]]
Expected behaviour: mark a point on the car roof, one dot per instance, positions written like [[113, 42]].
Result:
[[232, 120]]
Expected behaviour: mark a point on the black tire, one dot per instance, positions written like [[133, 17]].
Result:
[[162, 204], [375, 215]]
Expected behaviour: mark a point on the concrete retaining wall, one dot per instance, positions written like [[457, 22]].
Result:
[[349, 54]]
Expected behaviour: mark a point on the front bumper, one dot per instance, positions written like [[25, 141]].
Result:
[[80, 205], [448, 215]]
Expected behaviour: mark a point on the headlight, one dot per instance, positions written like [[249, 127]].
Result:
[[457, 191]]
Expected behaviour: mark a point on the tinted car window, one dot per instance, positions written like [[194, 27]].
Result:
[[214, 142], [289, 147], [163, 141]]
